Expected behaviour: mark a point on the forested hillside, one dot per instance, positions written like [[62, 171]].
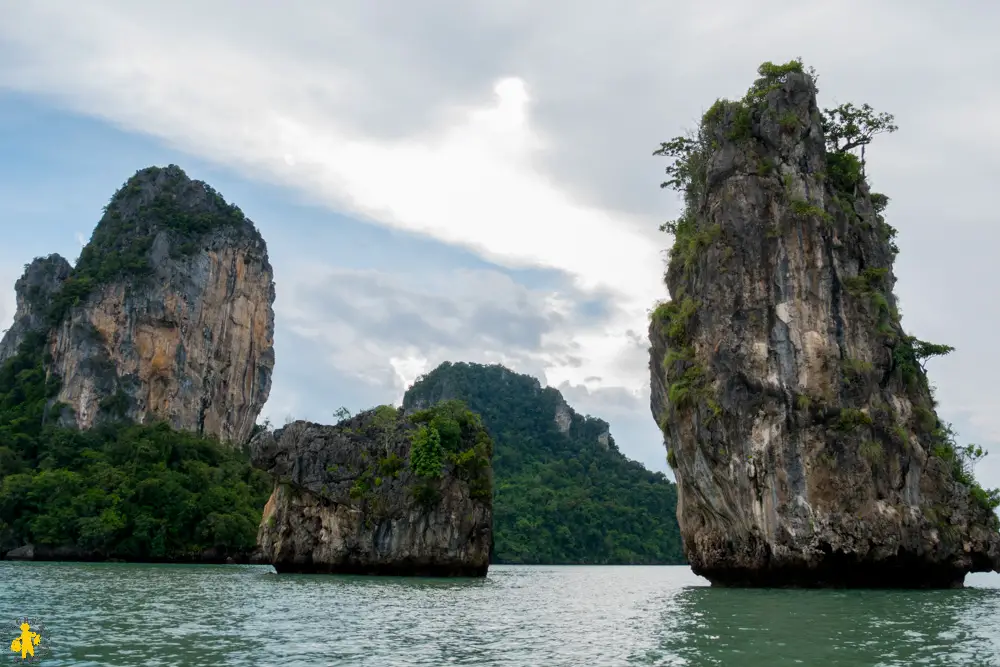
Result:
[[564, 493]]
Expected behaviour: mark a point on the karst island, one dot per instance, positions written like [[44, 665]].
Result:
[[797, 415]]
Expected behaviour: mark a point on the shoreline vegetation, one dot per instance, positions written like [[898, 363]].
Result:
[[119, 490], [123, 492]]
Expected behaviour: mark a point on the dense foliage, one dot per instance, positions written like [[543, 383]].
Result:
[[559, 497], [447, 433], [119, 490]]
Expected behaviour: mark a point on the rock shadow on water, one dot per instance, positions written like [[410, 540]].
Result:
[[776, 627]]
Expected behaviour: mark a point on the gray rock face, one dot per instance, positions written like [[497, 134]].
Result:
[[348, 500], [172, 317], [799, 425], [26, 552], [563, 417], [194, 346], [34, 290]]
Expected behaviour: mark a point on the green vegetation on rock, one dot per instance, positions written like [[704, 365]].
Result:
[[560, 497], [446, 434], [450, 432], [119, 490], [152, 201], [851, 207]]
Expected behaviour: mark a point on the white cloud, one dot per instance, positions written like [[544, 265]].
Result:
[[473, 182], [408, 369], [361, 337], [523, 130], [387, 328]]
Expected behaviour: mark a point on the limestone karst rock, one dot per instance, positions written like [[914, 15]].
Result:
[[380, 493], [34, 291], [167, 315], [798, 419]]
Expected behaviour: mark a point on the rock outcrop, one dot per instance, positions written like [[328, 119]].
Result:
[[34, 292], [380, 493], [167, 314], [799, 423]]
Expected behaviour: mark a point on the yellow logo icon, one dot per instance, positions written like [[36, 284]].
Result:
[[25, 642]]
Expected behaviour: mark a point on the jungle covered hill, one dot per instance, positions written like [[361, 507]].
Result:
[[564, 493]]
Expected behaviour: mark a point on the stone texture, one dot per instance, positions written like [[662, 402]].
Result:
[[321, 519], [188, 341], [193, 347], [42, 278], [26, 552], [781, 478], [563, 417]]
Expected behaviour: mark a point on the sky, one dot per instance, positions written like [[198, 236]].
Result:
[[474, 181]]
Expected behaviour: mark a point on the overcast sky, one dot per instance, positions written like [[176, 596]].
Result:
[[470, 180]]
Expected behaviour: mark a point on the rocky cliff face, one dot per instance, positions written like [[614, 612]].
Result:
[[34, 292], [167, 315], [379, 494], [797, 416]]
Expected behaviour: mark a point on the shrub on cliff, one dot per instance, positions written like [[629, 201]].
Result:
[[153, 200]]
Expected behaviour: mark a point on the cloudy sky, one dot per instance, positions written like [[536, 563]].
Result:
[[471, 180]]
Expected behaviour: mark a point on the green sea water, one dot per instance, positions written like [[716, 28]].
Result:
[[115, 614]]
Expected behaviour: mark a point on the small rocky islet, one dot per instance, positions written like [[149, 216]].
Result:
[[804, 440], [383, 492]]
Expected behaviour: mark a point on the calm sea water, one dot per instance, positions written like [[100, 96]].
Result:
[[112, 614]]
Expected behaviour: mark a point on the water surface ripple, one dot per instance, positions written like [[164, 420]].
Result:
[[125, 615]]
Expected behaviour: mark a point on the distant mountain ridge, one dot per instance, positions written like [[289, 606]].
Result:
[[564, 492]]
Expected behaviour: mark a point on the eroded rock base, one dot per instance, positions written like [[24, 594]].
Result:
[[898, 576], [386, 570]]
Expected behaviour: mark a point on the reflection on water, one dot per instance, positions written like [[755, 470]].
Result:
[[776, 627], [109, 614]]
